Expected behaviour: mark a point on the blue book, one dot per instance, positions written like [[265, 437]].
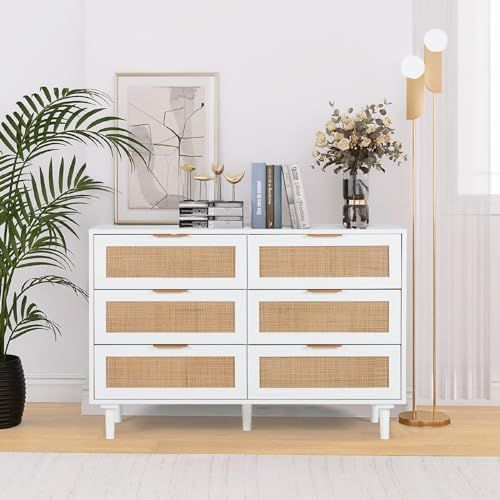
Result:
[[259, 195], [277, 197]]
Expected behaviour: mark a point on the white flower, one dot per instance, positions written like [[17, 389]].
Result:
[[366, 142], [330, 126], [382, 138], [336, 144], [348, 123], [315, 153], [387, 121], [339, 136], [344, 144], [321, 141]]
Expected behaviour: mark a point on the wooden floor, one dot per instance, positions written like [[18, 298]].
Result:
[[475, 431]]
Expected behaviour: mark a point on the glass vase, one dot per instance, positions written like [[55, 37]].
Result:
[[356, 190]]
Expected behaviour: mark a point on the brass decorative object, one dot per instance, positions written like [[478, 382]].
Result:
[[233, 180], [189, 169], [435, 43], [217, 169], [203, 179]]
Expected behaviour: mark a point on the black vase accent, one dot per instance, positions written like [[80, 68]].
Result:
[[12, 392]]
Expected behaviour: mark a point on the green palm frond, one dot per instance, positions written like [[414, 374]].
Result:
[[40, 203]]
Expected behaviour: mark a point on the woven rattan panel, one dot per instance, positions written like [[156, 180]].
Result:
[[358, 317], [324, 261], [215, 371], [324, 372], [170, 262], [197, 317]]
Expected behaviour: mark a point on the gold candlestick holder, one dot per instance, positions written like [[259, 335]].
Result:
[[217, 169], [233, 180], [189, 169]]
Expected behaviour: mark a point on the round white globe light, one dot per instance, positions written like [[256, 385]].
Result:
[[412, 67], [436, 40]]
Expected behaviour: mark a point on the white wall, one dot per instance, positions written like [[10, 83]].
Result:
[[43, 44], [279, 63]]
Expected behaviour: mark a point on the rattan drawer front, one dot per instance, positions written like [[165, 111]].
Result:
[[152, 262], [347, 261], [342, 372], [336, 317], [324, 262], [187, 317], [324, 317], [325, 372], [192, 317], [185, 372], [170, 372], [170, 262]]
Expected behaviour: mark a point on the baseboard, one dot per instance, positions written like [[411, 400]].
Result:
[[495, 391], [55, 388], [64, 388]]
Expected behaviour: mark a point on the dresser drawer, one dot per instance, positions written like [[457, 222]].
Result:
[[169, 317], [190, 372], [169, 261], [310, 261], [324, 317], [333, 372]]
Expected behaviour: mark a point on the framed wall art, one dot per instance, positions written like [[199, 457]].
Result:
[[174, 115]]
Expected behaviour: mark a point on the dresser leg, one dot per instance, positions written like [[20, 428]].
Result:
[[385, 421], [374, 414], [118, 414], [110, 415], [246, 413]]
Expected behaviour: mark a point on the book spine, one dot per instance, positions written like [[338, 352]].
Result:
[[289, 196], [270, 196], [258, 195], [200, 224], [277, 197], [225, 224], [299, 197], [221, 212]]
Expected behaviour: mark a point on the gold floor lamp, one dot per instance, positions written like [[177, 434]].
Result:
[[430, 72]]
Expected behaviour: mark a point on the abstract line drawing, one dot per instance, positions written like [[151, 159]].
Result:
[[171, 123]]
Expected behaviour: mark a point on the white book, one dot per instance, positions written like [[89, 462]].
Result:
[[299, 199], [289, 196]]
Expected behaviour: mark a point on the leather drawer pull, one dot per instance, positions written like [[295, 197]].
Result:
[[170, 235], [324, 346], [173, 290], [170, 346], [329, 235], [325, 290]]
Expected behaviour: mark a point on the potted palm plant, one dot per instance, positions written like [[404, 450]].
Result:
[[41, 193]]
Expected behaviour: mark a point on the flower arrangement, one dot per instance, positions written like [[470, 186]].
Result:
[[358, 141]]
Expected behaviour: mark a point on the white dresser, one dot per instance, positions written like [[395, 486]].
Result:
[[247, 316]]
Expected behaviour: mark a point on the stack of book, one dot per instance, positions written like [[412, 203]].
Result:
[[267, 197], [211, 214]]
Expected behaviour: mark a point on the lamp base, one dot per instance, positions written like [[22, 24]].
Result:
[[424, 418]]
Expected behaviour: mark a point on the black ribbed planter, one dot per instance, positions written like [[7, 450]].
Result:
[[12, 392]]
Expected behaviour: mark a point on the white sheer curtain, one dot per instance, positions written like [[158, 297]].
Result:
[[463, 250]]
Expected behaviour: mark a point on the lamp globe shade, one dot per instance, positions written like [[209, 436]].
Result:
[[436, 40], [412, 67]]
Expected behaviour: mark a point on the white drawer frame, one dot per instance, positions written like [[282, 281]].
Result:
[[393, 336], [103, 393], [393, 241], [393, 392], [101, 242], [239, 336]]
